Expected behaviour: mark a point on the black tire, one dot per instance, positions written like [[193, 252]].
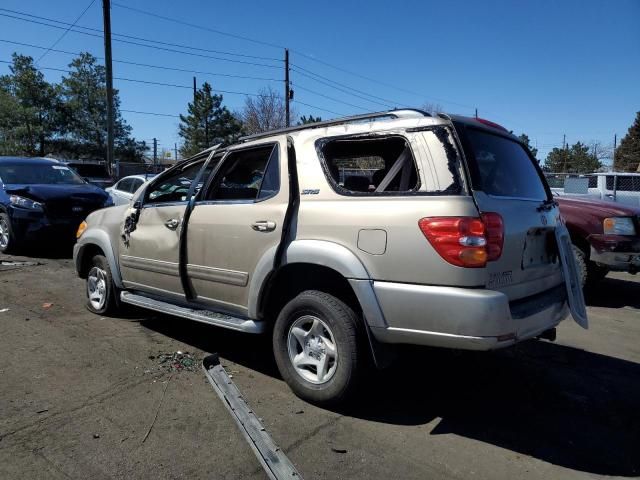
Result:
[[595, 273], [110, 304], [5, 227], [590, 273], [581, 263], [342, 323]]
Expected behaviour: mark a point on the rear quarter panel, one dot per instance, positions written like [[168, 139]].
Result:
[[406, 255]]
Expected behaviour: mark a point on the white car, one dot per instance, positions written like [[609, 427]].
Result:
[[122, 192]]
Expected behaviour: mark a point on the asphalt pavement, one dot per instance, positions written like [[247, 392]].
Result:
[[84, 396]]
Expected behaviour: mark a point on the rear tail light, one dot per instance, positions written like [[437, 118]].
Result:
[[494, 231], [465, 241]]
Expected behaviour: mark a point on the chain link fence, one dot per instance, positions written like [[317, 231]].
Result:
[[617, 187]]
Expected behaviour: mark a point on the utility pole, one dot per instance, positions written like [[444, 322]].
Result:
[[476, 113], [106, 15], [155, 152], [615, 144], [175, 149], [286, 86], [195, 88], [564, 141]]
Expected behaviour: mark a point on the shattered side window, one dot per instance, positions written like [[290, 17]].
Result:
[[370, 165], [444, 177]]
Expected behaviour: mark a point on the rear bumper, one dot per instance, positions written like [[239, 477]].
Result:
[[463, 318]]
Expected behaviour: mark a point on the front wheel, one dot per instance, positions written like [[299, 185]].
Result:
[[101, 292], [590, 273], [315, 343], [7, 239]]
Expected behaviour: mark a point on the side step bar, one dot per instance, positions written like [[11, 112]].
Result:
[[204, 316]]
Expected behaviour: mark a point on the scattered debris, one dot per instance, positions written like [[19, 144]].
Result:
[[27, 319], [96, 435], [177, 362], [157, 409], [339, 450], [13, 263], [6, 265], [43, 410], [2, 310], [299, 412], [47, 306]]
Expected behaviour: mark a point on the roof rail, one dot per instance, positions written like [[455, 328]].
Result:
[[401, 113]]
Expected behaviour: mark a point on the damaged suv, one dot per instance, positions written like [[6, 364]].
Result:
[[342, 238]]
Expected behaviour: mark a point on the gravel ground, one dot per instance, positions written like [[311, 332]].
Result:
[[79, 395]]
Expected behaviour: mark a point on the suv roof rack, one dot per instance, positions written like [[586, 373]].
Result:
[[400, 113]]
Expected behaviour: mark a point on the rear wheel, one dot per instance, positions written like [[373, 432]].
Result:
[[315, 343], [7, 239], [101, 292]]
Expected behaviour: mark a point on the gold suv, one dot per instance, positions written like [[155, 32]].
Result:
[[343, 238]]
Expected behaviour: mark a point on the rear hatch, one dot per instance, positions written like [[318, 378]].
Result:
[[506, 180]]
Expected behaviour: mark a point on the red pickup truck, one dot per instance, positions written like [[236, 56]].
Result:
[[605, 235]]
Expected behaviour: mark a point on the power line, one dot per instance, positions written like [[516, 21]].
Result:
[[200, 27], [161, 84], [66, 31], [129, 42], [319, 108], [138, 64], [97, 30], [386, 105], [331, 98], [273, 45]]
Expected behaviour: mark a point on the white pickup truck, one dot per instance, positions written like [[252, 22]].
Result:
[[613, 186]]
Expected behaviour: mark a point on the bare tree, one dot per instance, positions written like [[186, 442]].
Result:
[[601, 151], [432, 108], [264, 112]]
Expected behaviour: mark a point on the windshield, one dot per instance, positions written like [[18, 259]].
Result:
[[38, 174], [503, 167]]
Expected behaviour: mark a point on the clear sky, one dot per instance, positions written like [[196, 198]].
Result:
[[543, 67]]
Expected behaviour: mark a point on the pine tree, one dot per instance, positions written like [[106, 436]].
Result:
[[310, 119], [525, 139], [207, 123], [31, 108], [627, 155], [576, 159]]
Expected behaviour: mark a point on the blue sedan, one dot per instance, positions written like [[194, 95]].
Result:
[[43, 200]]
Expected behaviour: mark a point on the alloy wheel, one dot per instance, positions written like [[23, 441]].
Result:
[[312, 349], [97, 287], [4, 233]]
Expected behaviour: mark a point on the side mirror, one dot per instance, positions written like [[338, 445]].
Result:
[[137, 204]]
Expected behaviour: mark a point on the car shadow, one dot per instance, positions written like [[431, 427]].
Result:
[[559, 404], [563, 405], [49, 250], [613, 293]]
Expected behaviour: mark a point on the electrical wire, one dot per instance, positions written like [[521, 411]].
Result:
[[319, 108], [157, 47], [65, 32], [161, 84], [330, 98], [138, 64], [362, 97], [273, 45], [193, 25]]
